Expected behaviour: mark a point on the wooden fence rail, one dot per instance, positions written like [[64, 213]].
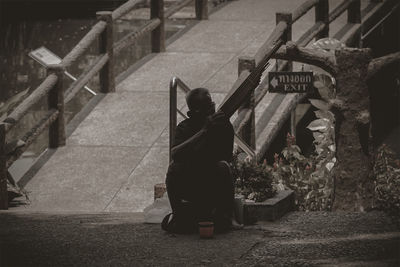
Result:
[[43, 90], [53, 87], [176, 7], [84, 44]]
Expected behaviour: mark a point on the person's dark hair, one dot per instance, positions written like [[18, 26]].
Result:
[[199, 103], [195, 98]]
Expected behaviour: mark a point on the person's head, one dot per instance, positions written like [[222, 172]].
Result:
[[199, 103]]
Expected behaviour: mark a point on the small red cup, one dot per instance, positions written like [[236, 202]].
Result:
[[206, 229]]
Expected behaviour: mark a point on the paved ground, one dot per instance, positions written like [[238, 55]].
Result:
[[120, 150], [120, 239]]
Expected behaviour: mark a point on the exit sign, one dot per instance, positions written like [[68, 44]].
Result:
[[290, 82]]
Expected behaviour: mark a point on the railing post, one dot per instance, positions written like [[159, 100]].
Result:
[[322, 14], [3, 169], [248, 133], [354, 16], [202, 9], [172, 113], [286, 17], [354, 12], [56, 101], [106, 42], [158, 34]]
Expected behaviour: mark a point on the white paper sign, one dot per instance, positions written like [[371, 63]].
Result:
[[44, 56]]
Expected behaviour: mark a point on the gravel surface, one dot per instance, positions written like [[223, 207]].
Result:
[[117, 239]]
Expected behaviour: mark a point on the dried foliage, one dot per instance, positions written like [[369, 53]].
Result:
[[387, 181]]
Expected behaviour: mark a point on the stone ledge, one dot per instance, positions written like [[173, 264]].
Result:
[[268, 210], [251, 212]]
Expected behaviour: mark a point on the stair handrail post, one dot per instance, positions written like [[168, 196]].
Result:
[[354, 12], [158, 34], [287, 36], [322, 15], [354, 16], [57, 134], [172, 113], [106, 46], [248, 132], [3, 169], [201, 9]]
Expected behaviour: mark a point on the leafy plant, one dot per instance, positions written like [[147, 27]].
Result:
[[252, 180], [387, 181], [312, 178]]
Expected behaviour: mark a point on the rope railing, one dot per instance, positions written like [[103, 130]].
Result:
[[31, 100], [32, 134], [89, 72], [125, 8], [133, 36], [303, 9], [342, 7], [84, 43]]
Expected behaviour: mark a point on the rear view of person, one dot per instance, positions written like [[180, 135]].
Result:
[[199, 174]]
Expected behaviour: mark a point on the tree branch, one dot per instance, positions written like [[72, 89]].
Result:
[[378, 64], [291, 51]]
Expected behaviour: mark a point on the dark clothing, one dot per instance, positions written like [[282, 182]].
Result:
[[210, 190], [204, 176], [217, 146]]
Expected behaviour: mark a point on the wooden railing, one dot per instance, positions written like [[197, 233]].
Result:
[[246, 93], [53, 88]]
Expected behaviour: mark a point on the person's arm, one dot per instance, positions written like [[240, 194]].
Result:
[[198, 141], [188, 147]]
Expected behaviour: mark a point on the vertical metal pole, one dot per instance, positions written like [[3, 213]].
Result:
[[3, 169], [248, 133], [322, 15], [286, 17], [172, 113], [56, 101], [106, 42], [158, 34], [202, 9]]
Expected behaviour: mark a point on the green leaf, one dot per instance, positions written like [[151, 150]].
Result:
[[325, 86], [319, 125], [322, 114]]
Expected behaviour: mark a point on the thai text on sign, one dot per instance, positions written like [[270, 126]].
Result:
[[290, 82]]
